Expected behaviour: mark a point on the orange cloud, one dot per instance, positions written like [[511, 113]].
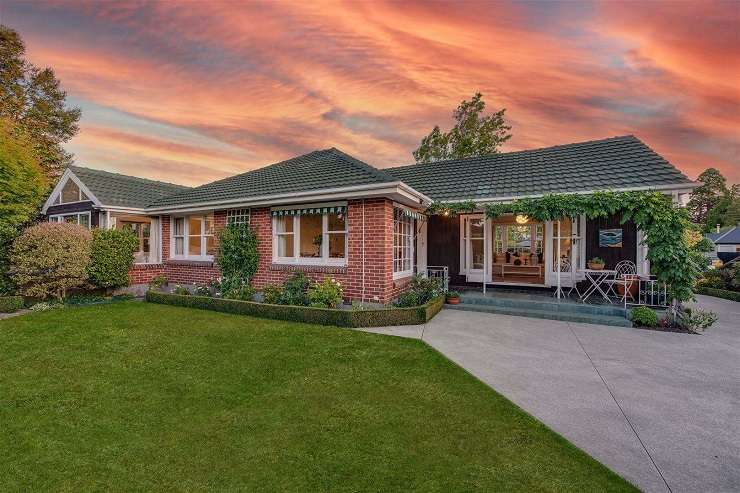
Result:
[[265, 81]]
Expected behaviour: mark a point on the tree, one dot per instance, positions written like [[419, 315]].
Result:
[[23, 183], [22, 188], [32, 100], [472, 135], [706, 196]]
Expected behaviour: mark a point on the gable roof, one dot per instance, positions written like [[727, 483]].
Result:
[[731, 237], [318, 170], [713, 236], [614, 163], [113, 189]]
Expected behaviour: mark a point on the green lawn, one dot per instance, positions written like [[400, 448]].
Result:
[[134, 396]]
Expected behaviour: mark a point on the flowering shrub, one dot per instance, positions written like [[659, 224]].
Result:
[[325, 294], [696, 320], [272, 294], [421, 291], [50, 258], [158, 281], [244, 293], [181, 290]]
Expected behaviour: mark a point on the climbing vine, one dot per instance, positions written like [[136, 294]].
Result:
[[662, 222]]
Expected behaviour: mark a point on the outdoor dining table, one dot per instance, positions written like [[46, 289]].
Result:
[[596, 278]]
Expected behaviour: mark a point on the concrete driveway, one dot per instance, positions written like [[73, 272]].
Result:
[[661, 409]]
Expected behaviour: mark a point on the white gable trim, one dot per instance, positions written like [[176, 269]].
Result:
[[66, 176]]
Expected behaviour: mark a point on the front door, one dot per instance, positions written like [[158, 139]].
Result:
[[473, 244]]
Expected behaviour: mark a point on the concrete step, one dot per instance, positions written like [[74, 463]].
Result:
[[614, 320], [543, 304]]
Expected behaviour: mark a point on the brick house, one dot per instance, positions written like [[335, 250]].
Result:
[[329, 214]]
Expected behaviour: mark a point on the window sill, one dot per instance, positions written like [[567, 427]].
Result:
[[148, 265], [397, 276], [322, 268], [184, 261]]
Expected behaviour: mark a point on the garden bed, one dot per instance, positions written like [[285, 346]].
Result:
[[324, 316]]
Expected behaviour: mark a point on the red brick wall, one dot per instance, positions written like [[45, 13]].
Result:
[[375, 272]]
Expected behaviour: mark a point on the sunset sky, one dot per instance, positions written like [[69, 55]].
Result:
[[189, 92]]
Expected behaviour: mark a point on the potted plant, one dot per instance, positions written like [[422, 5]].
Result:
[[596, 263], [632, 281], [452, 298]]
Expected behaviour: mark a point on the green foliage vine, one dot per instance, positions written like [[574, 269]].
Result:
[[663, 223]]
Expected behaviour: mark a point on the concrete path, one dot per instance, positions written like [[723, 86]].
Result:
[[661, 409]]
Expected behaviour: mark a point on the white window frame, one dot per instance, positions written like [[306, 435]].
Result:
[[400, 274], [238, 216], [186, 255], [59, 218], [296, 258]]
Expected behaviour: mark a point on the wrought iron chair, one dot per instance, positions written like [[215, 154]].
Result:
[[623, 276], [566, 267]]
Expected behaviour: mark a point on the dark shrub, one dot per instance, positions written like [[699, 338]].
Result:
[[237, 256], [244, 293], [111, 257], [272, 294], [9, 304]]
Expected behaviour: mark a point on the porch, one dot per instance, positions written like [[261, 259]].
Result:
[[540, 303]]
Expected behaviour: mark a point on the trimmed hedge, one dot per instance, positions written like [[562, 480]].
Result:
[[322, 316], [9, 304], [719, 293]]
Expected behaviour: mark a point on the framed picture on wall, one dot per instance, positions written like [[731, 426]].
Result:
[[610, 238]]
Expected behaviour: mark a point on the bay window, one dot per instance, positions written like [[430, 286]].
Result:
[[318, 238], [403, 244], [193, 237]]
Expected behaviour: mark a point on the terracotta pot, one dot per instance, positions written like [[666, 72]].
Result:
[[453, 301], [595, 266], [633, 284]]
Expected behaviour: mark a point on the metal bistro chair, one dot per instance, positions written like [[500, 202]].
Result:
[[566, 267], [623, 269]]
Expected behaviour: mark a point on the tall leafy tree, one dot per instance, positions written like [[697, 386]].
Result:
[[32, 99], [472, 135], [23, 185], [706, 196]]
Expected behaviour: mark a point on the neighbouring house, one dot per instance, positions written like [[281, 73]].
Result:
[[329, 214], [726, 244]]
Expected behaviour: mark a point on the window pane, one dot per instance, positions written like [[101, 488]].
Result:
[[194, 226], [310, 228], [145, 245], [208, 224], [476, 247], [179, 226], [70, 219], [85, 220], [194, 245], [179, 242], [285, 245], [147, 230], [476, 228], [519, 238], [337, 222], [285, 224], [70, 192], [210, 245], [336, 245]]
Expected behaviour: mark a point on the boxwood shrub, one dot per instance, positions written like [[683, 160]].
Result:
[[719, 293], [323, 316], [10, 304]]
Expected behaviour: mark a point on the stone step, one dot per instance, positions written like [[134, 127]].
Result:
[[543, 304], [618, 321]]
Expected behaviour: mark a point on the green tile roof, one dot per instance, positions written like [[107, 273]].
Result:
[[316, 170], [118, 190], [618, 162]]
